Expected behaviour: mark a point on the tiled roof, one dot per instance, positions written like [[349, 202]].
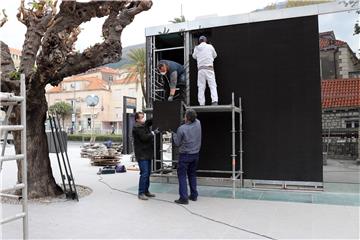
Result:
[[326, 43], [96, 84], [340, 93], [56, 89], [76, 78]]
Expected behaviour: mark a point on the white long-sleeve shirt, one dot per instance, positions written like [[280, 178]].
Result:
[[204, 54]]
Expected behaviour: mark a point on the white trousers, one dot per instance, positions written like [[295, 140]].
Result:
[[208, 76]]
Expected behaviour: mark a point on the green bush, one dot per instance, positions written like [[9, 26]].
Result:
[[99, 137]]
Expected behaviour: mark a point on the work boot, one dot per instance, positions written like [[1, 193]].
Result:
[[142, 197], [149, 194], [214, 103], [193, 198], [182, 201]]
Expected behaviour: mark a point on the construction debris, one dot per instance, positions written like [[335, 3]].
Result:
[[100, 154]]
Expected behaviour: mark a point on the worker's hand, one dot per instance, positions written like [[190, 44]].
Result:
[[156, 131], [170, 98]]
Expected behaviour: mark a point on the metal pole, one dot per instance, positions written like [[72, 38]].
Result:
[[241, 144], [24, 167], [74, 111], [62, 143], [168, 49], [92, 122], [154, 160], [57, 152], [153, 80], [187, 64], [233, 155], [61, 152]]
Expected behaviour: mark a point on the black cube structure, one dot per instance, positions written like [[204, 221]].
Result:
[[269, 59], [279, 82]]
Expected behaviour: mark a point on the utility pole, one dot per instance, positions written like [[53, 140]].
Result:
[[73, 115]]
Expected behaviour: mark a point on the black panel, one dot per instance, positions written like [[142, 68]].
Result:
[[274, 67], [167, 115]]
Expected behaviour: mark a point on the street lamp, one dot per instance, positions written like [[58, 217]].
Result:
[[73, 115], [92, 101]]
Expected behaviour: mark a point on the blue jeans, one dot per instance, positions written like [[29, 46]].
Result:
[[144, 181], [187, 167]]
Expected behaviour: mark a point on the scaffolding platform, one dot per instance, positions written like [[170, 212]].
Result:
[[236, 179]]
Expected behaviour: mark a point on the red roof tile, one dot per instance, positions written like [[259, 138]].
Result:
[[340, 93], [74, 79], [325, 43], [96, 84], [56, 89]]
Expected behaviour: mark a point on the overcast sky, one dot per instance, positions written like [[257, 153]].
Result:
[[162, 11]]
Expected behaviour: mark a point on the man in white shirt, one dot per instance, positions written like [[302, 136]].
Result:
[[205, 54]]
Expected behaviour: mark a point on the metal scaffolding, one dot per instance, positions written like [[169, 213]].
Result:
[[156, 83], [237, 174], [9, 100]]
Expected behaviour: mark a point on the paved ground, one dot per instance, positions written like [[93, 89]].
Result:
[[112, 214]]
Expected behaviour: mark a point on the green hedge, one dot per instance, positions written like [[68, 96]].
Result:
[[99, 137]]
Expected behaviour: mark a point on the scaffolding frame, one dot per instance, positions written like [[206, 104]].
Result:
[[10, 100], [236, 175], [155, 83]]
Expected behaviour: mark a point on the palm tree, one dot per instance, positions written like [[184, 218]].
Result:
[[178, 19], [138, 63]]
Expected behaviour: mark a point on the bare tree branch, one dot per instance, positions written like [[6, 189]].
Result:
[[37, 21], [56, 56], [4, 19]]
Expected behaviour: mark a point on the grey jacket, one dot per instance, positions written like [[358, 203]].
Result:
[[188, 137]]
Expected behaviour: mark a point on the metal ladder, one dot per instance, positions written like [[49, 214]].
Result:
[[10, 100]]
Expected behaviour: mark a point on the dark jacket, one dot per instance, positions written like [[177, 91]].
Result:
[[143, 141]]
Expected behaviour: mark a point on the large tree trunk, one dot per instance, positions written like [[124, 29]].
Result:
[[41, 182]]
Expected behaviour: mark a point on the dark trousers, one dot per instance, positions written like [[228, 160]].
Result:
[[187, 168], [144, 181]]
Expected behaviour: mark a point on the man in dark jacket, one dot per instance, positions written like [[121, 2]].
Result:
[[144, 152]]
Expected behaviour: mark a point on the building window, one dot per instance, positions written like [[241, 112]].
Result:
[[352, 124]]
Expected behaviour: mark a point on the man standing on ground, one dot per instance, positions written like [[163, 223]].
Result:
[[175, 74], [144, 152], [188, 139], [205, 54]]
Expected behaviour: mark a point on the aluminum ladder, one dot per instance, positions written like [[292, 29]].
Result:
[[9, 100]]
